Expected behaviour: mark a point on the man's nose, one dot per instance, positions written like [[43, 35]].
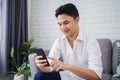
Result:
[[63, 27]]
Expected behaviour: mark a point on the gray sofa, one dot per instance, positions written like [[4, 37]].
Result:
[[109, 59]]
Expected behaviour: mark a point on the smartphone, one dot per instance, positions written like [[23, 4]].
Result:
[[42, 53]]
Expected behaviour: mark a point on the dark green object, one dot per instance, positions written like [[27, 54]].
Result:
[[118, 66]]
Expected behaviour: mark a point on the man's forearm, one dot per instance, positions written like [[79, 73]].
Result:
[[84, 73]]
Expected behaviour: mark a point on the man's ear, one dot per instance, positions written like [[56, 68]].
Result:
[[77, 19]]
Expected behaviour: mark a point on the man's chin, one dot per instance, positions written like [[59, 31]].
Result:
[[66, 35]]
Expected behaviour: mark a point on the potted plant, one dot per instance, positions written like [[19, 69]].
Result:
[[22, 71], [18, 73], [25, 49]]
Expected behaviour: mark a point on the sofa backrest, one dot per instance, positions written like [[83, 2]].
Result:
[[106, 49]]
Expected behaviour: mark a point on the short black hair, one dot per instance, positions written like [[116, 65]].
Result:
[[68, 9]]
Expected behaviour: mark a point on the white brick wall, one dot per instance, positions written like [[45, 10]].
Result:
[[100, 18]]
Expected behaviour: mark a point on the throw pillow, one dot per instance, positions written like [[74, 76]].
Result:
[[118, 67]]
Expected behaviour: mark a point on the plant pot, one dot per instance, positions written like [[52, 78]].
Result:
[[19, 77], [25, 78]]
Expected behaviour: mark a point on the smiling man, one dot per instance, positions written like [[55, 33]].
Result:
[[81, 54]]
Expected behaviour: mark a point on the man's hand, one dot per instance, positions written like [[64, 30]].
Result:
[[41, 64], [58, 65]]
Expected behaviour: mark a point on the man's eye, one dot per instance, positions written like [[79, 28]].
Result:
[[65, 23], [59, 24]]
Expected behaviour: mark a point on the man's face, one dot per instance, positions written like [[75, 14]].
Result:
[[68, 25]]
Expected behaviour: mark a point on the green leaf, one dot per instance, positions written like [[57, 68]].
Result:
[[24, 59], [32, 50], [118, 44], [12, 72], [12, 52], [30, 41], [12, 62], [27, 71]]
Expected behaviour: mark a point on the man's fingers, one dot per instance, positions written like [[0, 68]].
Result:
[[52, 58], [38, 57], [41, 61], [55, 66], [58, 68], [43, 64]]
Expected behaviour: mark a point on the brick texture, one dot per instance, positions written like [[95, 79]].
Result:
[[100, 18]]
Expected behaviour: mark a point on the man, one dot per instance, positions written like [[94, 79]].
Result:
[[81, 54]]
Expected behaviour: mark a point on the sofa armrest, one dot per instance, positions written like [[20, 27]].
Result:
[[33, 66]]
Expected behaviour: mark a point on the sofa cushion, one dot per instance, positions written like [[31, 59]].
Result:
[[106, 76], [115, 78], [106, 49], [115, 56], [33, 67]]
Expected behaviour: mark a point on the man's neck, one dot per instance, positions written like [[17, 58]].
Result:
[[73, 37]]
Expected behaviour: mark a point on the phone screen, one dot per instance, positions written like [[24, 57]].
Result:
[[42, 53]]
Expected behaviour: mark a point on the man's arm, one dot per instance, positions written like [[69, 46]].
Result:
[[54, 52], [87, 74]]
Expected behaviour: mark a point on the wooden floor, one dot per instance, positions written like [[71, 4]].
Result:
[[10, 77], [6, 78]]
